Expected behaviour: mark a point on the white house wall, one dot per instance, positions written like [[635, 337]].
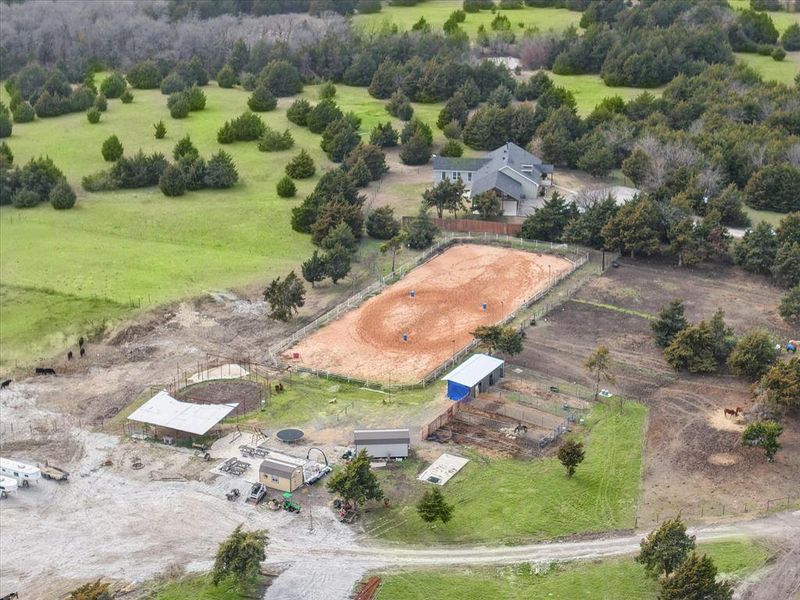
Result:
[[384, 450]]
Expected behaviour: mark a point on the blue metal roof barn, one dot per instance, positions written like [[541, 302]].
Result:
[[474, 375]]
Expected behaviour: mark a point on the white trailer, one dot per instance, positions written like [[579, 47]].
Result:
[[21, 472], [7, 485]]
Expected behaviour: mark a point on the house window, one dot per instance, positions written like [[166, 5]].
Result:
[[469, 176], [274, 479], [457, 175]]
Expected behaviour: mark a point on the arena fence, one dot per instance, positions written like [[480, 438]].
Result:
[[571, 253]]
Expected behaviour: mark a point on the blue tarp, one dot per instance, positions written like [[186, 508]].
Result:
[[456, 391]]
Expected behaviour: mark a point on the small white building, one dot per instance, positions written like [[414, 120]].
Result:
[[164, 415], [383, 443], [21, 472]]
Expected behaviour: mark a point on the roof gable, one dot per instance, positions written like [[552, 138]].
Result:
[[474, 369]]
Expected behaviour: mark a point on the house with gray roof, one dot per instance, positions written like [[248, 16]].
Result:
[[517, 175]]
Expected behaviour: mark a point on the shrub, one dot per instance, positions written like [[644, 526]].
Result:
[[286, 187], [226, 135], [373, 157], [126, 97], [301, 166], [62, 196], [774, 187], [226, 77], [359, 173], [298, 112], [5, 126], [195, 98], [249, 81], [24, 113], [791, 37], [327, 91], [172, 182], [194, 172], [25, 198], [384, 136], [221, 172], [452, 131], [113, 86], [93, 115], [261, 100], [185, 149], [753, 355], [789, 308], [399, 106], [173, 83], [778, 54], [273, 141], [322, 115], [416, 151], [365, 7], [112, 149], [281, 78], [339, 139], [178, 106], [160, 130], [102, 181], [100, 103], [145, 75], [452, 148], [141, 170], [244, 128]]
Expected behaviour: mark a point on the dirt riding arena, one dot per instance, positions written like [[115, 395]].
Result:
[[247, 394], [449, 293]]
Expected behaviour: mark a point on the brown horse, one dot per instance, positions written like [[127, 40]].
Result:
[[729, 412]]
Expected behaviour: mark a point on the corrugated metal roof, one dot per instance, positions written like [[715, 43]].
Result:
[[165, 411], [382, 436], [474, 369]]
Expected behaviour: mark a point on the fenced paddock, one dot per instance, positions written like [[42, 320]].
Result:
[[405, 334]]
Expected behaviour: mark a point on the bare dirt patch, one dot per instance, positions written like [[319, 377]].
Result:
[[247, 394], [690, 445], [450, 291]]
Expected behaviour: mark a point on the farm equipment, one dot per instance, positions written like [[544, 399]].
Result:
[[288, 505], [54, 473], [257, 493], [201, 451], [234, 466], [233, 495], [253, 451]]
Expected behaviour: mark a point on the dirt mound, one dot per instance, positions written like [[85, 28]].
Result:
[[724, 459]]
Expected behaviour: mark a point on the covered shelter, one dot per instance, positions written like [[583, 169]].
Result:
[[383, 443], [164, 415], [282, 472], [475, 375]]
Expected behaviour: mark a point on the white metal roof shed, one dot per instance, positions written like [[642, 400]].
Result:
[[473, 370], [165, 411]]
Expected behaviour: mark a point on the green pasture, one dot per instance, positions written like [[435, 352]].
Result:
[[617, 579], [64, 273], [589, 90], [509, 500], [436, 12], [783, 71], [771, 217]]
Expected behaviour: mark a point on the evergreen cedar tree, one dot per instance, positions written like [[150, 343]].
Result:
[[416, 151], [314, 269], [666, 548], [113, 86], [185, 149], [261, 100], [23, 113], [111, 149], [789, 308], [172, 182], [221, 172], [160, 130], [100, 103], [447, 195], [571, 454], [781, 384], [384, 135], [695, 578], [322, 115], [274, 141], [359, 173], [240, 556], [381, 224], [297, 113], [373, 158], [245, 128], [433, 506], [356, 482], [763, 434], [342, 236], [285, 297], [178, 106], [286, 187], [62, 196], [421, 230], [451, 148], [93, 115], [226, 77], [144, 75], [671, 321], [753, 355], [548, 223], [339, 139], [126, 97], [488, 204], [701, 348], [301, 166], [337, 263]]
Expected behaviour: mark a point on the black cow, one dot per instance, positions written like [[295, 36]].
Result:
[[69, 355], [5, 384], [83, 351], [45, 371]]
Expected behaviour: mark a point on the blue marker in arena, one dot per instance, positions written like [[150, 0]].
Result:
[[405, 337], [485, 306]]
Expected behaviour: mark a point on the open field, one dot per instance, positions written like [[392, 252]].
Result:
[[590, 90], [694, 462], [508, 500], [782, 71], [436, 13], [450, 290], [68, 272], [771, 217], [620, 579]]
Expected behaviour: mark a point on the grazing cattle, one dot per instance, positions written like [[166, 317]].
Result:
[[45, 371], [69, 355], [80, 342], [83, 351], [739, 410], [5, 384], [729, 412]]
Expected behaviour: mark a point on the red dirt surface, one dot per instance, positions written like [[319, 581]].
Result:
[[367, 343]]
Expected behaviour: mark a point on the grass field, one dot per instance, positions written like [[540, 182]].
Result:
[[771, 217], [64, 273], [617, 579], [782, 71], [507, 500], [436, 13], [198, 588], [590, 90]]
